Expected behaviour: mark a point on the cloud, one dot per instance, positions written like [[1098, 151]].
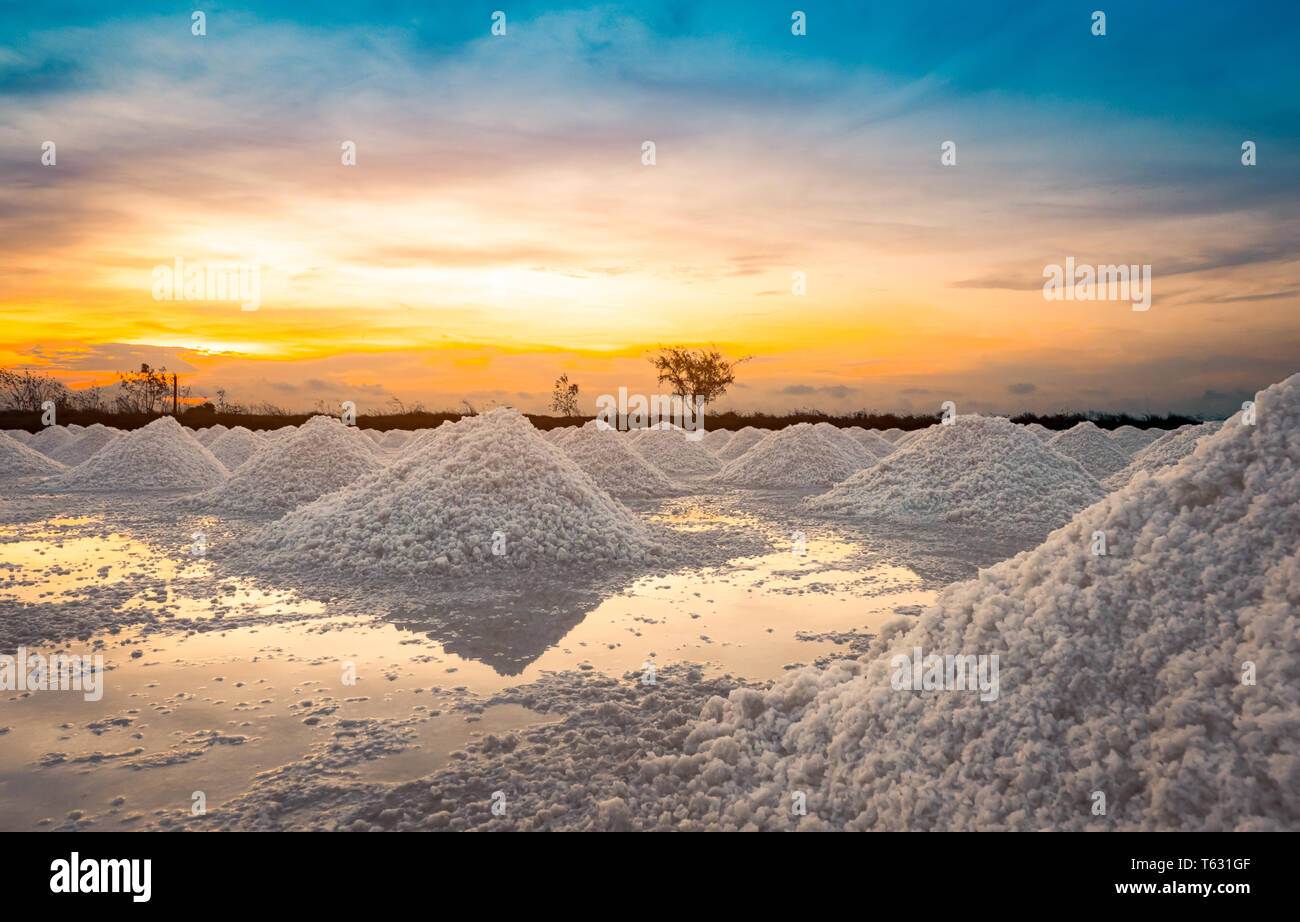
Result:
[[1022, 387], [838, 391]]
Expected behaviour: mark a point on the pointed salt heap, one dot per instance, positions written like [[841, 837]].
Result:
[[395, 439], [892, 435], [1164, 451], [435, 511], [1132, 439], [207, 436], [798, 455], [1044, 434], [872, 441], [559, 435], [1119, 673], [20, 460], [980, 470], [21, 435], [235, 446], [846, 443], [741, 442], [159, 456], [1092, 448], [277, 435], [614, 465], [50, 438], [83, 444], [318, 457], [716, 439], [909, 437], [676, 455]]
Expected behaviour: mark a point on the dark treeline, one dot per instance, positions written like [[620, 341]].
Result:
[[202, 417]]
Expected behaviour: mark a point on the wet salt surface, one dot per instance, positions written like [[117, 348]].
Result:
[[233, 678]]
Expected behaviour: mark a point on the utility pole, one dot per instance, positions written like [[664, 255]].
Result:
[[174, 413]]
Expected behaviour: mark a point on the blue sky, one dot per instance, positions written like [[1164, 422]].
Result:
[[518, 155]]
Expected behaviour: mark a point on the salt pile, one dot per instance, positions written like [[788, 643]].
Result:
[[21, 435], [614, 465], [979, 470], [208, 435], [49, 439], [1164, 451], [83, 444], [19, 460], [798, 455], [437, 513], [421, 442], [560, 434], [741, 442], [159, 456], [1041, 431], [1092, 448], [1119, 673], [318, 457], [847, 444], [716, 439], [235, 446], [871, 440], [277, 435], [673, 453], [892, 435], [1132, 439], [909, 437], [395, 439]]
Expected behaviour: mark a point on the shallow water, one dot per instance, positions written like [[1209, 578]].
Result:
[[209, 710]]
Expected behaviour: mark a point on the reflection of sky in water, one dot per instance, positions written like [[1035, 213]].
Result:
[[210, 710]]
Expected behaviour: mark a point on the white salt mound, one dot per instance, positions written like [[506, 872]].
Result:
[[435, 512], [21, 435], [798, 455], [19, 460], [892, 435], [395, 439], [980, 471], [318, 457], [159, 456], [1092, 448], [846, 443], [1043, 433], [1132, 439], [1164, 451], [1119, 673], [50, 439], [871, 440], [614, 465], [210, 434], [909, 437], [83, 444], [277, 435], [235, 446], [674, 454], [716, 439], [743, 440], [560, 434]]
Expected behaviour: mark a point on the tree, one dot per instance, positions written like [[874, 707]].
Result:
[[90, 399], [145, 391], [26, 391], [703, 373], [564, 399]]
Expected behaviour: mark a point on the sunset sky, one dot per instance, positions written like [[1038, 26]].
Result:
[[500, 229]]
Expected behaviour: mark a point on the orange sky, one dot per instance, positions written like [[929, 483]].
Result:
[[489, 240]]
